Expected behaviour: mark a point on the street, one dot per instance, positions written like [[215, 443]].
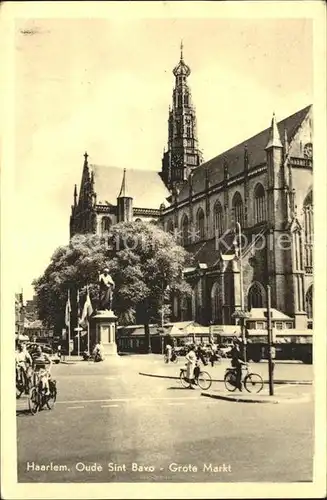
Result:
[[112, 424]]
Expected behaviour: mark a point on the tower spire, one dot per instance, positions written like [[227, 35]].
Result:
[[86, 158], [183, 153], [274, 137], [123, 190], [75, 195]]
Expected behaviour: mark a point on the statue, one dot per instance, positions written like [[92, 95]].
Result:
[[107, 286]]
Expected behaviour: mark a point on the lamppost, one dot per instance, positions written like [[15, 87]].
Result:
[[242, 316]]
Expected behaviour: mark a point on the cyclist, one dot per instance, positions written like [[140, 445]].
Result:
[[42, 365], [237, 363], [191, 363], [23, 363]]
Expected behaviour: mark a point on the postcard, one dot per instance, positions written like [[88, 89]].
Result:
[[163, 250]]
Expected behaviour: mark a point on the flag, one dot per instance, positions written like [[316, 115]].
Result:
[[87, 309], [68, 311]]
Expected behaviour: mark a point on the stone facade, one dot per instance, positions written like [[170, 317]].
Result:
[[104, 199], [264, 185]]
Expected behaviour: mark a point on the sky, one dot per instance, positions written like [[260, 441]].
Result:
[[104, 86]]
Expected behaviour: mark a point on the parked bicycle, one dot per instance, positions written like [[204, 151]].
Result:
[[252, 382], [22, 381], [38, 398], [201, 379]]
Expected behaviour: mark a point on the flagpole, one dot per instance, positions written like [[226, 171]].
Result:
[[78, 326], [88, 324], [69, 326]]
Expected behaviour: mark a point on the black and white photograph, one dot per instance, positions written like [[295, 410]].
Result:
[[163, 263]]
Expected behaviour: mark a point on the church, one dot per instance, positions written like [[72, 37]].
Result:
[[245, 215]]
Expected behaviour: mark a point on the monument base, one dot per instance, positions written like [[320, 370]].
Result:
[[105, 327]]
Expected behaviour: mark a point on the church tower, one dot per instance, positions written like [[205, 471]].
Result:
[[124, 203], [183, 153]]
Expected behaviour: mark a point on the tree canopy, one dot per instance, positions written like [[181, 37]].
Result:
[[144, 261]]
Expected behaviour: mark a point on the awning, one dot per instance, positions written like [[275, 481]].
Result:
[[21, 337]]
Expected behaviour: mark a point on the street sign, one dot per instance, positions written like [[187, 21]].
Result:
[[216, 329]]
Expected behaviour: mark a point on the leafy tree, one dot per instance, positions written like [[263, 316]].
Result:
[[144, 261]]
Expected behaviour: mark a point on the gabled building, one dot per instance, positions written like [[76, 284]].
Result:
[[108, 195]]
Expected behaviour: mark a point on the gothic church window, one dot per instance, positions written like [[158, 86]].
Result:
[[185, 230], [308, 302], [170, 226], [218, 219], [186, 99], [200, 224], [297, 250], [215, 303], [238, 209], [256, 296], [308, 231], [105, 224], [259, 204]]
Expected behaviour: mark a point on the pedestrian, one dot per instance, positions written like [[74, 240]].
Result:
[[200, 354], [191, 362], [168, 352]]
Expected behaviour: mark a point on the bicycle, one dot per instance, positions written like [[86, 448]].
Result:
[[22, 383], [37, 398], [201, 378], [252, 382]]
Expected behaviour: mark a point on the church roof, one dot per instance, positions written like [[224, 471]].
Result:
[[145, 186], [235, 156]]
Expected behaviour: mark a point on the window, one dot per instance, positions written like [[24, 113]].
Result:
[[260, 325], [288, 325], [297, 250], [218, 219], [185, 230], [308, 302], [105, 225], [200, 224], [308, 232], [215, 304], [256, 296], [259, 204], [278, 325], [198, 300], [188, 132], [186, 99], [238, 209], [170, 227]]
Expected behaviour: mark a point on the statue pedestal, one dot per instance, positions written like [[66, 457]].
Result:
[[105, 328]]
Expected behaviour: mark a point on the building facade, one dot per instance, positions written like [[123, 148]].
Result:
[[262, 187], [104, 198]]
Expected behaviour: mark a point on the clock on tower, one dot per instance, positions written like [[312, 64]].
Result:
[[177, 160]]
